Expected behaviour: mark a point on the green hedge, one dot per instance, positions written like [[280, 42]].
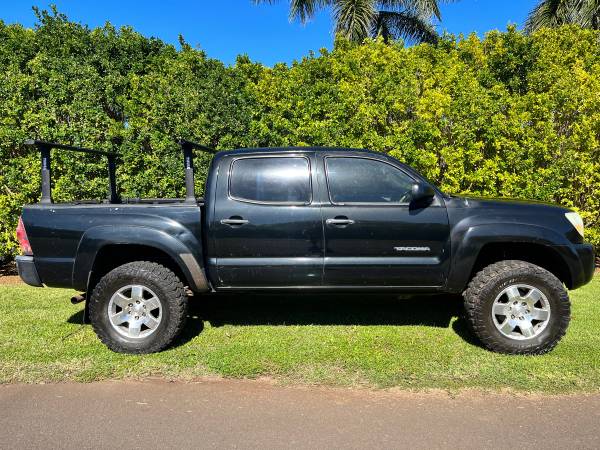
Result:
[[508, 115]]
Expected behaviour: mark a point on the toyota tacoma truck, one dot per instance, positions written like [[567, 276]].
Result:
[[305, 219]]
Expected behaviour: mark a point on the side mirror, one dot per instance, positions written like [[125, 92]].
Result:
[[422, 191]]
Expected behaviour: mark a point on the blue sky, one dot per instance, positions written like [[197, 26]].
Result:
[[227, 28]]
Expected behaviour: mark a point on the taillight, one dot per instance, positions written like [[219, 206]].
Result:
[[22, 238]]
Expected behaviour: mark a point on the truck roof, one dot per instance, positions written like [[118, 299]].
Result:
[[292, 150], [281, 150]]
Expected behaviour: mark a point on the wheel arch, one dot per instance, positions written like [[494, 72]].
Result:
[[477, 246], [535, 253], [103, 248]]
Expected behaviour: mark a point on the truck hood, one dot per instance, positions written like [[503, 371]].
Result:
[[506, 204]]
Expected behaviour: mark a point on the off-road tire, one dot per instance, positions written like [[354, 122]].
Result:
[[168, 288], [490, 282]]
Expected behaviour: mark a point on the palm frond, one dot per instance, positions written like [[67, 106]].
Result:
[[306, 9], [551, 13], [394, 25], [357, 19], [588, 13], [425, 8], [302, 10], [354, 18]]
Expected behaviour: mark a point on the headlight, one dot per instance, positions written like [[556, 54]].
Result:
[[576, 221]]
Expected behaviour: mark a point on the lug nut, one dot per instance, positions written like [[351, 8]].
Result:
[[512, 316], [130, 305]]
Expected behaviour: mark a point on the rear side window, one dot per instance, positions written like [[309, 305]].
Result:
[[361, 180], [284, 180]]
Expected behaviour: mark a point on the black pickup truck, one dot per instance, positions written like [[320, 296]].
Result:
[[309, 219]]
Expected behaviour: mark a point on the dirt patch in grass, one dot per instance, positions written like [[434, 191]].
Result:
[[10, 279], [9, 274], [8, 268]]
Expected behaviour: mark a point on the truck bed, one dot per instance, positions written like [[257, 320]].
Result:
[[62, 234]]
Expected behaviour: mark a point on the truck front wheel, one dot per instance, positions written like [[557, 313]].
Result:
[[139, 307], [517, 307]]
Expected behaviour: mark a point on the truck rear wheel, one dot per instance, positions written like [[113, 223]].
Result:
[[517, 307], [139, 307]]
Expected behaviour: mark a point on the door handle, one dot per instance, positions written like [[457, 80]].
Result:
[[339, 221], [234, 221]]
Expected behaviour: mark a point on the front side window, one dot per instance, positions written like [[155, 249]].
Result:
[[271, 180], [361, 180]]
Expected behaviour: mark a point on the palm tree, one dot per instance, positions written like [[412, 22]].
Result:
[[358, 19], [553, 13]]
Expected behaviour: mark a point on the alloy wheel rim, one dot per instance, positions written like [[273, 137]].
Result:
[[135, 311], [521, 312]]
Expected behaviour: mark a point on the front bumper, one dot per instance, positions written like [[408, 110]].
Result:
[[585, 255], [27, 271]]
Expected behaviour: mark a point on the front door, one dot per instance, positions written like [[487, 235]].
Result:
[[374, 235], [267, 230]]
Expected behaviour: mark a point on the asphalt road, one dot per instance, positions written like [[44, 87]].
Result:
[[232, 414]]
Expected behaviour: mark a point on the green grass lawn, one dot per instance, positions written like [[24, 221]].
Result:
[[373, 341]]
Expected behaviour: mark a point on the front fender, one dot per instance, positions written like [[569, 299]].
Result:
[[94, 239], [469, 239]]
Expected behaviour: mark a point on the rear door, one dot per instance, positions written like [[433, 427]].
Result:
[[267, 229], [374, 236]]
